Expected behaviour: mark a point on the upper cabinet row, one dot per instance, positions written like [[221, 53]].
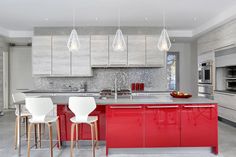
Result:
[[51, 55], [220, 38]]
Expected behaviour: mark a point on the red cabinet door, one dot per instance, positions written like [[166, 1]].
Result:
[[199, 125], [124, 126], [162, 126]]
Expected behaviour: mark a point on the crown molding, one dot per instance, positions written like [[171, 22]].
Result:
[[221, 19]]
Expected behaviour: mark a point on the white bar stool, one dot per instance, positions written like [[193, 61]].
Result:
[[39, 108], [17, 97], [82, 107]]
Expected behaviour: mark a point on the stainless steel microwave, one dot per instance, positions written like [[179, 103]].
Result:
[[205, 72]]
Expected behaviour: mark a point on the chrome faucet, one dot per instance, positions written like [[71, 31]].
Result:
[[115, 88]]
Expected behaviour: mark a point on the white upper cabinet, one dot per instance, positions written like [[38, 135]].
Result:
[[220, 38], [99, 51], [60, 56], [41, 55], [80, 61], [154, 57], [117, 58], [136, 50]]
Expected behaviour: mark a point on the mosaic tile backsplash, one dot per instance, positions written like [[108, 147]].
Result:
[[103, 78]]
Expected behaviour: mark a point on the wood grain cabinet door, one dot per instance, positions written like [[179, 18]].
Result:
[[80, 61], [99, 51], [136, 50], [117, 59], [60, 56], [154, 57], [41, 55]]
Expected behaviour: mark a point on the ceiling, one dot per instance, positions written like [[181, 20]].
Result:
[[20, 16]]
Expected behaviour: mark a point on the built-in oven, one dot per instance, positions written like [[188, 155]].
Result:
[[205, 90], [205, 72], [231, 84]]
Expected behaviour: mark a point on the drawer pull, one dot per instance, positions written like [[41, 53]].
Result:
[[125, 107], [163, 107], [200, 106]]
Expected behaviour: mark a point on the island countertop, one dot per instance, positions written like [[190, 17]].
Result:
[[140, 100]]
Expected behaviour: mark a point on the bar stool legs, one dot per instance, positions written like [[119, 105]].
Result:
[[94, 136], [72, 140], [29, 132], [16, 128], [38, 126]]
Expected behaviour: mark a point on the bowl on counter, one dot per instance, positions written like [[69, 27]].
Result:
[[178, 94]]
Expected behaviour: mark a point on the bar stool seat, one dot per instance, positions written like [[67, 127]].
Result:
[[47, 119], [24, 114], [90, 119]]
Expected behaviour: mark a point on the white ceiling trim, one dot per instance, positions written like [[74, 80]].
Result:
[[20, 34], [217, 21], [180, 33]]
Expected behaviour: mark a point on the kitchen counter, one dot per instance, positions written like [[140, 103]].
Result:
[[226, 91], [58, 91], [140, 100]]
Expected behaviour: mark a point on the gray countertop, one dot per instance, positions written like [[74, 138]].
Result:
[[141, 100]]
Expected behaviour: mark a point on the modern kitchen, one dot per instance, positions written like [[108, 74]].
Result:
[[117, 78]]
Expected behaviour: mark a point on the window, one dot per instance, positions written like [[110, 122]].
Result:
[[172, 69]]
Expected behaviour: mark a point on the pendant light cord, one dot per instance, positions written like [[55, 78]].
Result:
[[119, 18], [164, 19], [73, 18]]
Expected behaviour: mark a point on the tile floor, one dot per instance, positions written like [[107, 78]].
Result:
[[227, 145]]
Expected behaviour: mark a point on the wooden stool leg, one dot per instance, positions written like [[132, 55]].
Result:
[[76, 135], [50, 139], [92, 135], [58, 134], [35, 136], [29, 132], [72, 140], [39, 134], [16, 128], [96, 133], [26, 127]]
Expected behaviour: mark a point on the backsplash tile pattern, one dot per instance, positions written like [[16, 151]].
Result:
[[153, 78]]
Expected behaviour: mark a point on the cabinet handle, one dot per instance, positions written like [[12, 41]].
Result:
[[125, 107], [162, 106], [200, 106]]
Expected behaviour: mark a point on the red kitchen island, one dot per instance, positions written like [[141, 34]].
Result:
[[149, 122]]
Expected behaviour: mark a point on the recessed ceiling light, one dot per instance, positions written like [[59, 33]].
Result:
[[96, 18], [146, 19], [46, 19], [195, 19]]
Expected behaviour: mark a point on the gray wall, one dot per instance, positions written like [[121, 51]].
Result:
[[3, 47]]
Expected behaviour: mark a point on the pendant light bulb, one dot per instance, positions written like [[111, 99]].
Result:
[[73, 43], [164, 43], [118, 43]]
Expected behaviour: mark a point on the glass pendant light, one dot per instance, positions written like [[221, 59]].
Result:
[[73, 43], [119, 41], [164, 43]]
